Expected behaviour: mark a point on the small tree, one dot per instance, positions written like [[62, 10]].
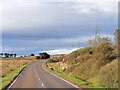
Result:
[[15, 55], [117, 42], [32, 54], [6, 55], [103, 49], [11, 55], [117, 37], [1, 54], [99, 40], [37, 57], [44, 55]]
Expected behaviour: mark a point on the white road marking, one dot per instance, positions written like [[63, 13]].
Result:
[[42, 84], [60, 78], [17, 78], [37, 75]]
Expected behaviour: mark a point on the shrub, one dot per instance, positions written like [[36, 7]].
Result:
[[86, 69], [38, 57], [104, 53], [51, 68], [96, 63], [71, 57], [32, 54], [44, 55], [71, 68], [50, 61], [109, 75]]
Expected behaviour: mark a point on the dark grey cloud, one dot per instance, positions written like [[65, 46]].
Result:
[[39, 26]]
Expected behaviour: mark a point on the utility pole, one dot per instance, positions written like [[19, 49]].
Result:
[[96, 32], [97, 23]]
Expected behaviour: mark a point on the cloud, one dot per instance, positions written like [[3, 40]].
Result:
[[89, 7], [25, 16], [37, 25], [46, 44], [34, 15], [40, 45], [20, 15], [61, 51]]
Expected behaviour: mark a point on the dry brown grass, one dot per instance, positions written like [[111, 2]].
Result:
[[10, 65], [108, 75], [95, 64]]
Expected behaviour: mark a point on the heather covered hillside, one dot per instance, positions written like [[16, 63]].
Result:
[[97, 63]]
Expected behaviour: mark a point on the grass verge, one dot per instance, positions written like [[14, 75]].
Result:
[[10, 76], [76, 81]]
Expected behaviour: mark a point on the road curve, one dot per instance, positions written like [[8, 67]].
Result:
[[35, 76]]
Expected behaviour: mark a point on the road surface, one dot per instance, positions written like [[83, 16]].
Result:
[[35, 76]]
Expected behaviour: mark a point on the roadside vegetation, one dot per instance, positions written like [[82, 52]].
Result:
[[11, 68], [71, 78], [43, 55], [11, 65], [8, 55], [93, 66]]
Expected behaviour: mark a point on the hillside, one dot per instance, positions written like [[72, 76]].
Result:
[[96, 64]]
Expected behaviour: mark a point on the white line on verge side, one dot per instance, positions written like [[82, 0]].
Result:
[[15, 79], [60, 78]]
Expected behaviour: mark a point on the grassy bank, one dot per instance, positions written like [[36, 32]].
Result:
[[10, 76], [96, 64], [78, 82], [10, 69]]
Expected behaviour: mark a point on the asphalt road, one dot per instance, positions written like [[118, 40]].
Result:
[[35, 76]]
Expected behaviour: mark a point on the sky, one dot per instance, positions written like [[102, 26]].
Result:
[[54, 26]]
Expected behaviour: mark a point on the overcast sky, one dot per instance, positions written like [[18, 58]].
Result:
[[32, 26]]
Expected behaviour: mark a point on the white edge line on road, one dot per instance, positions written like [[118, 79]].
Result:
[[14, 81], [16, 78], [60, 78]]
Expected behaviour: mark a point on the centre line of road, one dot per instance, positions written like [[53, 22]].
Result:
[[60, 78], [37, 75], [42, 84]]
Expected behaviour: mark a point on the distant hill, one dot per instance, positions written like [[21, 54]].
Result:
[[21, 58]]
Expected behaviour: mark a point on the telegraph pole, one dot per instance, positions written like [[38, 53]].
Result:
[[96, 32], [97, 27]]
